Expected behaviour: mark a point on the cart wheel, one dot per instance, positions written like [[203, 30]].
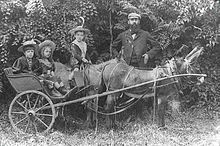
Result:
[[32, 112]]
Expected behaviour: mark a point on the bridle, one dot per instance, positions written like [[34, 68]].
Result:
[[173, 70]]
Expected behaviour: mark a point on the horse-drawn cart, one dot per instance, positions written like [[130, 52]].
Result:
[[34, 110], [26, 110]]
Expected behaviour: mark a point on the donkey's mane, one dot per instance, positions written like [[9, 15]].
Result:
[[101, 65]]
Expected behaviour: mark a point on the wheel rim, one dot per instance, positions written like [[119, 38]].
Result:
[[27, 112]]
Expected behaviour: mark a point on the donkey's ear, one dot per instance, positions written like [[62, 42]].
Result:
[[181, 51], [194, 54]]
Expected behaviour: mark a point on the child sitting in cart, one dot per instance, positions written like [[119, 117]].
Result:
[[45, 54], [27, 63], [79, 52]]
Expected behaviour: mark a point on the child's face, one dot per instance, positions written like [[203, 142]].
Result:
[[29, 53], [47, 52], [79, 35]]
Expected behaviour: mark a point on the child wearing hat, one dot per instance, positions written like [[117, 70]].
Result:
[[45, 53], [27, 63], [78, 50]]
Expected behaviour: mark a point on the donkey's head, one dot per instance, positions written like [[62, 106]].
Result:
[[188, 64]]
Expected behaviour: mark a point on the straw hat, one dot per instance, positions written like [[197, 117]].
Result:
[[79, 28], [49, 43], [30, 43], [45, 43]]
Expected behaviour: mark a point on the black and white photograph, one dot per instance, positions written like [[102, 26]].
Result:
[[109, 73]]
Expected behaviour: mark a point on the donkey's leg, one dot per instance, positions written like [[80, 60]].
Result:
[[139, 110], [94, 113], [88, 122], [110, 108], [90, 108], [162, 103], [150, 103]]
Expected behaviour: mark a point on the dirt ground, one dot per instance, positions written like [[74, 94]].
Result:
[[192, 128]]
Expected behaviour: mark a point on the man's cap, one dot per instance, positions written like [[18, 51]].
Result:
[[134, 15]]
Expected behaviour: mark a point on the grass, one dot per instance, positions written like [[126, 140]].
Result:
[[197, 128]]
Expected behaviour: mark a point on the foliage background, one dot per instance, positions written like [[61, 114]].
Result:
[[173, 23]]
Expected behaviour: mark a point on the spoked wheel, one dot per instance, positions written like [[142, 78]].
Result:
[[32, 112]]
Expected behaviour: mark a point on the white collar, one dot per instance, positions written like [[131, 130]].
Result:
[[79, 43]]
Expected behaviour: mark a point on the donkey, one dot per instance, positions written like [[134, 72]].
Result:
[[121, 75], [92, 76]]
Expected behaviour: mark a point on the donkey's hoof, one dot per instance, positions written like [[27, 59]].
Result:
[[88, 125], [115, 127]]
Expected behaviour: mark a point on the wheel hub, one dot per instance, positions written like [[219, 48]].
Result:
[[31, 114]]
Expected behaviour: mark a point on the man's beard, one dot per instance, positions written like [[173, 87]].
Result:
[[135, 28]]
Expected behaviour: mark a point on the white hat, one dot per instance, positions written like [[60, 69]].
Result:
[[134, 15], [79, 28]]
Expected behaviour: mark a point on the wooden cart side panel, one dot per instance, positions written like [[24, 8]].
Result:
[[23, 82]]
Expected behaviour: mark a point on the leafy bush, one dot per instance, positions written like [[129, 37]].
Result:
[[173, 23]]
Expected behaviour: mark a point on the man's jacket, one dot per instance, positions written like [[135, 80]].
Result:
[[142, 43]]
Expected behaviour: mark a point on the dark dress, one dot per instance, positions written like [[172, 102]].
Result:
[[48, 66], [49, 79], [22, 65], [77, 55]]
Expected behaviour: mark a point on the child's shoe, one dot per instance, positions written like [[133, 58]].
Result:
[[62, 90], [55, 93]]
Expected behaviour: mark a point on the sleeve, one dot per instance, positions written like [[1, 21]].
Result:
[[75, 53], [87, 54], [116, 46], [88, 57], [38, 69], [53, 67], [155, 47], [18, 67]]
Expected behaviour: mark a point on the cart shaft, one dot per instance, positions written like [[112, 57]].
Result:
[[121, 90]]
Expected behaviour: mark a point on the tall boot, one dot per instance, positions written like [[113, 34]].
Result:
[[72, 84]]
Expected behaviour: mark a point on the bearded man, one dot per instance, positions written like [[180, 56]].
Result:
[[137, 47]]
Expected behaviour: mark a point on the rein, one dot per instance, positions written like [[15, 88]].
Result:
[[174, 71], [119, 111]]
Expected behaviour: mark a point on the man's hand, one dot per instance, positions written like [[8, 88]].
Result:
[[146, 58], [85, 60], [76, 69]]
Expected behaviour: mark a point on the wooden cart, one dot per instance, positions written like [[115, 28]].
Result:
[[33, 110]]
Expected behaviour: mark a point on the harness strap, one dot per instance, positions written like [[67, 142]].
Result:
[[129, 72], [107, 87], [119, 111], [174, 71], [83, 69], [127, 76]]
